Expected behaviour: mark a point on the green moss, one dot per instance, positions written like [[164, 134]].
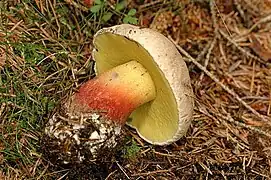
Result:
[[131, 150]]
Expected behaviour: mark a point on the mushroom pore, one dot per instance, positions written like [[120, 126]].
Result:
[[116, 92]]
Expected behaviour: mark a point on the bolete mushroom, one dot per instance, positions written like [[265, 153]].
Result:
[[141, 80]]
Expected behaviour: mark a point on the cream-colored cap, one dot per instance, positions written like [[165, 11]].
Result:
[[167, 118]]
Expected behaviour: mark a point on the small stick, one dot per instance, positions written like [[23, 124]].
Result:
[[205, 167], [204, 51], [252, 78], [269, 106], [113, 172], [7, 95], [2, 108], [214, 41], [212, 4], [152, 3], [213, 13], [167, 155], [248, 54], [136, 138], [206, 62], [56, 18], [216, 80], [62, 177], [121, 168], [230, 119], [153, 172], [263, 175], [261, 21], [77, 5], [241, 12]]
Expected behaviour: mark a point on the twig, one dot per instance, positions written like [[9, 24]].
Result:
[[216, 80], [269, 106], [167, 155], [62, 177], [212, 4], [153, 172], [7, 95], [16, 25], [2, 108], [77, 5], [121, 168], [261, 21], [51, 75], [206, 62], [152, 3], [248, 54], [33, 170], [230, 119], [212, 45], [240, 10], [211, 114], [139, 141], [223, 54], [263, 175], [252, 78], [14, 105], [263, 98], [51, 55], [205, 167], [213, 12], [251, 7], [204, 51], [110, 174]]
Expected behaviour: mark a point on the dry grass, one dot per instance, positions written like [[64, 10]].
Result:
[[45, 54]]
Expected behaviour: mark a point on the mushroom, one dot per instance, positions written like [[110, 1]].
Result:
[[141, 81]]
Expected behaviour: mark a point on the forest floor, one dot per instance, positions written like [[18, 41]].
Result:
[[45, 53]]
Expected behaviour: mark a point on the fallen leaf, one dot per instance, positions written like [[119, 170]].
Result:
[[254, 123], [89, 3], [251, 122], [259, 106], [261, 45], [145, 20]]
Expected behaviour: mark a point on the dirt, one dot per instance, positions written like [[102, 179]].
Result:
[[227, 140]]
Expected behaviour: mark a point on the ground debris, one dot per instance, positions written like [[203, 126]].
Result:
[[49, 56]]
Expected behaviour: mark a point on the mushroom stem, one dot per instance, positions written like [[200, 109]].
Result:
[[115, 93]]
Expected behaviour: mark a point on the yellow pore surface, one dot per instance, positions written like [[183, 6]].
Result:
[[157, 120]]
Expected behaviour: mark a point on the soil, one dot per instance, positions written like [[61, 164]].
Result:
[[228, 54]]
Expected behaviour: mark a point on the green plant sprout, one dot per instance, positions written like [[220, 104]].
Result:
[[131, 150], [106, 11]]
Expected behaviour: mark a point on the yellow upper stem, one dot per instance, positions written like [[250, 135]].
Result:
[[134, 78]]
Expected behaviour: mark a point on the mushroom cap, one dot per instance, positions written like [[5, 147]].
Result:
[[166, 118]]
